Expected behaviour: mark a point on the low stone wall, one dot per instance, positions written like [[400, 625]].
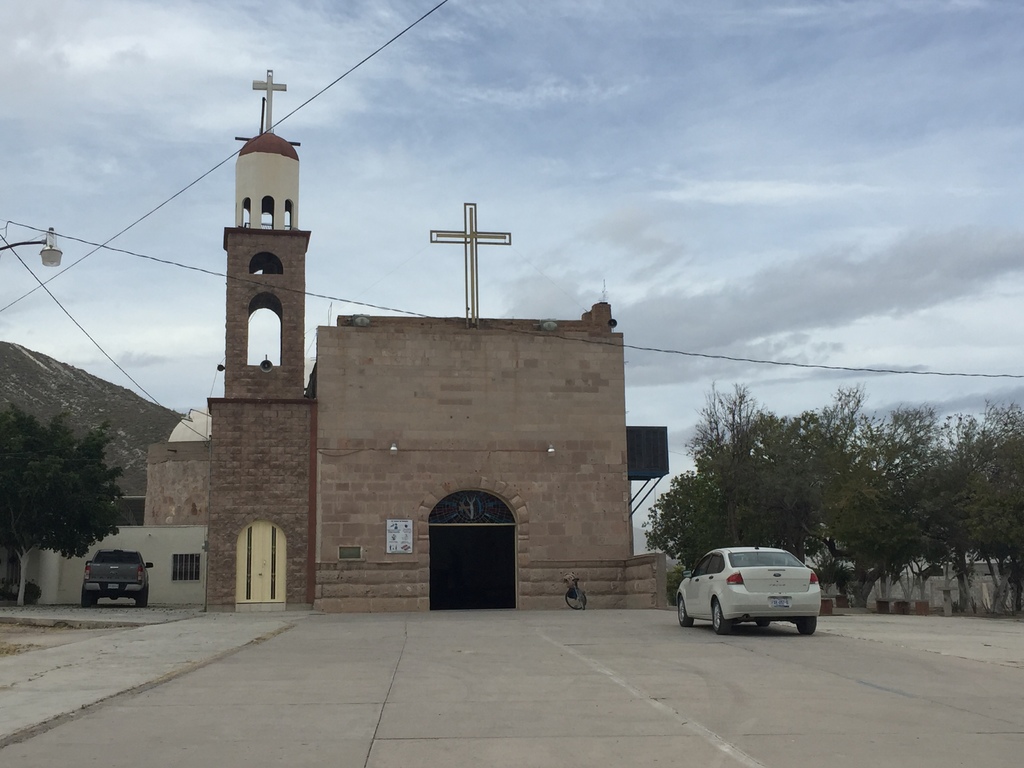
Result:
[[367, 587], [541, 585], [360, 587], [645, 581]]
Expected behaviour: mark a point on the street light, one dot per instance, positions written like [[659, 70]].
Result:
[[50, 254]]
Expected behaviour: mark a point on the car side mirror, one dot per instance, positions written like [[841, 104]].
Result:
[[149, 565]]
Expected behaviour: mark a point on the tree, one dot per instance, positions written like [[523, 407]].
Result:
[[56, 491], [755, 483], [689, 519], [965, 448], [786, 509], [875, 511], [996, 511], [723, 448]]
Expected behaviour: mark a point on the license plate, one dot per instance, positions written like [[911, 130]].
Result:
[[778, 602], [114, 587]]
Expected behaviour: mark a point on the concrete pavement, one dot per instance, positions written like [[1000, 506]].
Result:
[[993, 641], [557, 688], [139, 648]]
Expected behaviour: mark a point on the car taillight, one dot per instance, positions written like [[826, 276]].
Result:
[[86, 577], [735, 578], [138, 574], [814, 578]]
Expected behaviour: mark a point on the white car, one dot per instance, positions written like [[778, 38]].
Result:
[[758, 584]]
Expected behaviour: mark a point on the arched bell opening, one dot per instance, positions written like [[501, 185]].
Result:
[[264, 341], [265, 263], [267, 213]]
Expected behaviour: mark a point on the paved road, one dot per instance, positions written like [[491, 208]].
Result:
[[560, 688]]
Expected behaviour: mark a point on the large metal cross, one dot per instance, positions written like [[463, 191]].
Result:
[[269, 86], [470, 237]]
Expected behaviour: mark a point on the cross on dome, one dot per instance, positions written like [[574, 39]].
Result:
[[269, 86]]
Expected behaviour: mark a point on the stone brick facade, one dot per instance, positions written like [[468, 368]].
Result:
[[260, 471], [243, 289], [177, 483], [533, 417], [262, 430]]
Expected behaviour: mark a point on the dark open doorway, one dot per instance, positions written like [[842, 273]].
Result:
[[472, 567]]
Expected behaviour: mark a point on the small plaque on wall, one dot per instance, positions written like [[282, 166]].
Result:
[[399, 541]]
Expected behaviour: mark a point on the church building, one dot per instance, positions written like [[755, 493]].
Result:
[[426, 463]]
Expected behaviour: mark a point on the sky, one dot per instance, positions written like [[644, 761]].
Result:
[[818, 183]]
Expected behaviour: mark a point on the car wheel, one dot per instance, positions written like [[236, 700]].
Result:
[[143, 599], [87, 600], [722, 625], [763, 622], [685, 619], [806, 625]]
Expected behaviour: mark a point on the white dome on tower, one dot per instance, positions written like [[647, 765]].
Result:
[[267, 184]]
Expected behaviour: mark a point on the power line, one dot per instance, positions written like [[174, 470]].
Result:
[[821, 366], [359, 64], [79, 325], [191, 184], [784, 363], [639, 348]]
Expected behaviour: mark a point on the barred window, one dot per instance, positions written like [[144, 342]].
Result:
[[185, 567]]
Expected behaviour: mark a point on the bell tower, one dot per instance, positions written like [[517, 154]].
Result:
[[266, 269], [261, 497]]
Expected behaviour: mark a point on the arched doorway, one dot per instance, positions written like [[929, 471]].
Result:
[[472, 553], [260, 565]]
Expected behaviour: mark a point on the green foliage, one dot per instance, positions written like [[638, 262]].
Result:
[[56, 491], [672, 581], [689, 519], [833, 572]]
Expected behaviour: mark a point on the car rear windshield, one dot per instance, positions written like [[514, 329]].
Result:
[[117, 556], [767, 559]]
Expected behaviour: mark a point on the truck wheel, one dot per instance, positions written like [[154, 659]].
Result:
[[143, 599], [88, 601]]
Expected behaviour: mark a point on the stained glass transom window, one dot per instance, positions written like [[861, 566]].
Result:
[[471, 507]]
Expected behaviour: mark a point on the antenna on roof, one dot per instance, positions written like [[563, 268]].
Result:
[[604, 291]]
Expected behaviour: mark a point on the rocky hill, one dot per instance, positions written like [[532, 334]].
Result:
[[45, 387]]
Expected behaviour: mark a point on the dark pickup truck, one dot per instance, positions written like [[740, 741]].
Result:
[[116, 573]]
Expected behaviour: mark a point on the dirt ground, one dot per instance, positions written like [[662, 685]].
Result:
[[18, 638]]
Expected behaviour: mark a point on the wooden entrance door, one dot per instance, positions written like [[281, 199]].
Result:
[[261, 564]]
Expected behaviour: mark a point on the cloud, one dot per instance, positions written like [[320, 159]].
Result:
[[757, 192], [545, 92], [832, 288]]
